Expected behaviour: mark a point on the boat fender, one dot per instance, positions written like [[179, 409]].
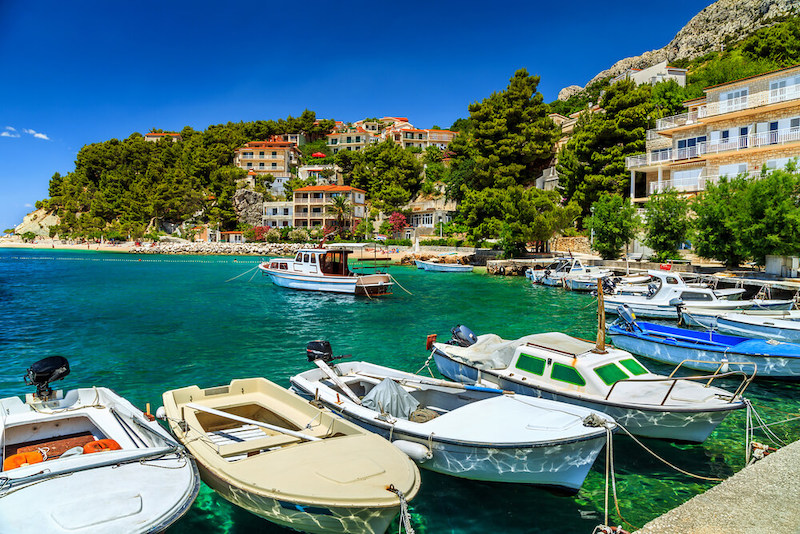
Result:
[[161, 413], [416, 451], [502, 271], [22, 459], [101, 445]]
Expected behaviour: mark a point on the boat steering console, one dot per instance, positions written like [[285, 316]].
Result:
[[47, 370]]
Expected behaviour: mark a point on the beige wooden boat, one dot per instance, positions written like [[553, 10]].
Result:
[[274, 454]]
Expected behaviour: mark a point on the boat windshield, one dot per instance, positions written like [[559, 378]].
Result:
[[334, 262]]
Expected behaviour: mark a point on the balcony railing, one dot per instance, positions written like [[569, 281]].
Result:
[[743, 142], [711, 109]]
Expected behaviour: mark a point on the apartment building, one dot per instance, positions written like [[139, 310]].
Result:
[[323, 174], [351, 138], [412, 137], [311, 202], [429, 213], [155, 137], [278, 214], [548, 180], [737, 127], [275, 157]]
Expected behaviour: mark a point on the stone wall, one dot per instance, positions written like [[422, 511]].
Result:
[[578, 244]]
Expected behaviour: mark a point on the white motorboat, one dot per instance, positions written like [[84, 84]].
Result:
[[325, 269], [585, 281], [465, 431], [669, 289], [87, 461], [779, 325], [554, 274], [442, 266], [269, 451], [559, 367]]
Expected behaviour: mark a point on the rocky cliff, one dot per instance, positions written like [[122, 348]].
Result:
[[38, 222], [248, 206], [707, 31]]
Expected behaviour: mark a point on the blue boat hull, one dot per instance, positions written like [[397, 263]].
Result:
[[674, 345]]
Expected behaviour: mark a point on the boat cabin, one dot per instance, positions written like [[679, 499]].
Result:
[[554, 361], [670, 285], [316, 261]]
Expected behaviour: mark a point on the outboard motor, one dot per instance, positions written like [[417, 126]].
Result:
[[319, 350], [462, 336], [678, 303], [609, 286], [41, 373], [627, 315]]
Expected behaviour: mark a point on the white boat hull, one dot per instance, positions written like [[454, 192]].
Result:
[[443, 267], [372, 284]]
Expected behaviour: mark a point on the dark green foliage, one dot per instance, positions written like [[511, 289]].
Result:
[[515, 215], [718, 221], [772, 210], [129, 186], [667, 224], [388, 173], [510, 140], [614, 223], [593, 161], [580, 100]]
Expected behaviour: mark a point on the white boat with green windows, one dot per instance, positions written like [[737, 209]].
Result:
[[563, 368]]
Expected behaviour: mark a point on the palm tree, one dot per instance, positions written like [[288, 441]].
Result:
[[341, 206]]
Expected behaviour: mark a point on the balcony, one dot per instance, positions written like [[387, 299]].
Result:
[[721, 107], [732, 144], [683, 185]]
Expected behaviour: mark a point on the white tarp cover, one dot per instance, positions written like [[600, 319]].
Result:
[[493, 352], [390, 397]]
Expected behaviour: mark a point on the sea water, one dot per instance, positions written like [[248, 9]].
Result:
[[141, 325]]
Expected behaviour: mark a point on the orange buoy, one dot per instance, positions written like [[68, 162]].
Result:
[[22, 458], [101, 445]]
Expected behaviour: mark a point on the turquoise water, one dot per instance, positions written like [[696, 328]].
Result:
[[145, 324]]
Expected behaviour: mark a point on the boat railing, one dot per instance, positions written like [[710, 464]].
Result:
[[746, 379], [720, 367]]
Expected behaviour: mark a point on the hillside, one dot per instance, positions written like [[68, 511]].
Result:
[[715, 28]]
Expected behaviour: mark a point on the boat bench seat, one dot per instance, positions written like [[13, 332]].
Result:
[[267, 442]]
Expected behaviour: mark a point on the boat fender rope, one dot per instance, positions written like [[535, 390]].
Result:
[[405, 517]]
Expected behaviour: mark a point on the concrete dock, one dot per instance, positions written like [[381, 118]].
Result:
[[764, 497]]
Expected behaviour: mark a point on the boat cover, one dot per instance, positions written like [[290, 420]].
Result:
[[390, 397], [493, 352]]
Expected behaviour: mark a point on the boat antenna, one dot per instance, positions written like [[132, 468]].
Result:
[[600, 345]]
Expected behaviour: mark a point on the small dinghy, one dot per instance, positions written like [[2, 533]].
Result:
[[443, 267], [87, 461], [705, 350], [556, 366], [470, 432], [271, 452]]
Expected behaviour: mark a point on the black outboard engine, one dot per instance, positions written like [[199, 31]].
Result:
[[319, 350], [41, 373], [627, 315], [462, 336], [609, 286]]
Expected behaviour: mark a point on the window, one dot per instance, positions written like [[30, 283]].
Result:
[[733, 169], [358, 139], [634, 367], [274, 165], [261, 165], [610, 373], [274, 211], [286, 211], [733, 100], [694, 296], [299, 257], [349, 139], [273, 153], [531, 364], [306, 258], [567, 373]]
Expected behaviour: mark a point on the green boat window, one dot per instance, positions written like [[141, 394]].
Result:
[[531, 364], [633, 366], [566, 373], [610, 373]]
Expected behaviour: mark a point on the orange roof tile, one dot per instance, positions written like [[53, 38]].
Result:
[[329, 188]]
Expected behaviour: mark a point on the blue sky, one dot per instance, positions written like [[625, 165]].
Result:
[[84, 71]]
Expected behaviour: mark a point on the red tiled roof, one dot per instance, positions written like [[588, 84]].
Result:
[[329, 188], [173, 134]]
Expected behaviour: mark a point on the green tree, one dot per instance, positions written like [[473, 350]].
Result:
[[515, 215], [613, 223], [593, 160], [342, 208], [667, 225], [388, 173], [510, 139], [772, 225], [721, 215]]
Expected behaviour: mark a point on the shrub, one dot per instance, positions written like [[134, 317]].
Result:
[[298, 235]]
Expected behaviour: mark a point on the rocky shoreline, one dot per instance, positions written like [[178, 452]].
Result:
[[249, 249]]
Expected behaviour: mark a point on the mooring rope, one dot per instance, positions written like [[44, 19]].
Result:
[[393, 279], [405, 517], [244, 273]]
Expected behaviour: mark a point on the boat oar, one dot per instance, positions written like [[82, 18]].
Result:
[[338, 381], [434, 382], [247, 421]]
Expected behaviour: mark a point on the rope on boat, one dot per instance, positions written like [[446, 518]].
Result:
[[427, 365], [244, 273], [753, 449], [405, 517], [597, 421], [393, 279]]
